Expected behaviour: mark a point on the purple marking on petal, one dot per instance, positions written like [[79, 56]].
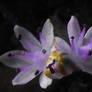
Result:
[[41, 36], [43, 51], [39, 59], [72, 43], [82, 34], [25, 53], [10, 55], [54, 66], [26, 68], [86, 48], [28, 44], [80, 40], [37, 72], [85, 56], [42, 40], [85, 51], [23, 58]]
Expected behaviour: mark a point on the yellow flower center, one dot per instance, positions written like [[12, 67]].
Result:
[[47, 72], [54, 56]]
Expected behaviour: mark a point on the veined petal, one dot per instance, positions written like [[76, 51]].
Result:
[[80, 40], [62, 45], [48, 34], [27, 45], [26, 38], [42, 40], [73, 29], [88, 36], [85, 50], [44, 81], [26, 68], [25, 76], [16, 59], [39, 59]]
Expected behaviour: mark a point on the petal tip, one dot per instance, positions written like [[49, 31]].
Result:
[[16, 27], [48, 21], [14, 83], [73, 18], [42, 85]]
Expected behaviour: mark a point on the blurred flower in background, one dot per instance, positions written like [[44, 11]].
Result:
[[80, 51]]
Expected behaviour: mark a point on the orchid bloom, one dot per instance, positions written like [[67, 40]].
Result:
[[80, 49], [39, 57]]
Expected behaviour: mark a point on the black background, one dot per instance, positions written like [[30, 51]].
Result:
[[32, 15]]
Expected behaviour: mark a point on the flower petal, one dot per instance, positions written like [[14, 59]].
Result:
[[44, 81], [42, 40], [85, 51], [39, 59], [80, 40], [88, 66], [62, 45], [26, 38], [25, 76], [88, 36], [16, 59], [73, 29], [48, 34]]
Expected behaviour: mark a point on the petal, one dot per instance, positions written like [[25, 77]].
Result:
[[85, 50], [26, 68], [42, 40], [48, 34], [26, 38], [25, 76], [88, 36], [80, 40], [62, 45], [15, 59], [88, 66], [39, 59], [73, 29], [44, 81]]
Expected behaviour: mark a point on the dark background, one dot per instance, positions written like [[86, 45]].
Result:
[[32, 15]]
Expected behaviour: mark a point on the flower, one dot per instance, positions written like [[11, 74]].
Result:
[[39, 57], [80, 49]]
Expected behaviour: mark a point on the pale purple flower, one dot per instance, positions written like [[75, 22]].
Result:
[[40, 58], [33, 61], [80, 48]]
